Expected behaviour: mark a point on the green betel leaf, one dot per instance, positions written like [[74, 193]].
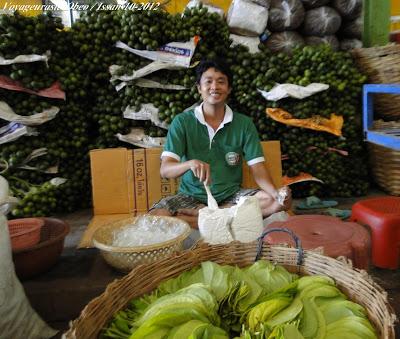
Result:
[[265, 311], [286, 331], [338, 309], [312, 324], [305, 281], [270, 277], [196, 296], [320, 290], [287, 314], [185, 279], [290, 331], [151, 332], [354, 326], [187, 330], [254, 289], [217, 277], [168, 319], [213, 332]]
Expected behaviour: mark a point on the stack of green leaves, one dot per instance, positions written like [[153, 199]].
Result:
[[256, 302]]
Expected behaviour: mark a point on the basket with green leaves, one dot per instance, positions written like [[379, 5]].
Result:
[[220, 291]]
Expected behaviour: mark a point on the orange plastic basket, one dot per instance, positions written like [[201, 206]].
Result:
[[24, 232]]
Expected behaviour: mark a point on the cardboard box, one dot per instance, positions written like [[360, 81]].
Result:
[[272, 155], [157, 187], [140, 175], [112, 181]]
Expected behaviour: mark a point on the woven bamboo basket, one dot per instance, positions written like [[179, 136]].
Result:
[[126, 258], [357, 285], [385, 167], [382, 66]]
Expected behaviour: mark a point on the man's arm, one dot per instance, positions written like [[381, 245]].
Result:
[[172, 168], [263, 178], [264, 181]]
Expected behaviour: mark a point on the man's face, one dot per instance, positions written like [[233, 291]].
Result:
[[214, 87]]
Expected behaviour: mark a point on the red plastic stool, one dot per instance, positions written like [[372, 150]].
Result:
[[382, 215]]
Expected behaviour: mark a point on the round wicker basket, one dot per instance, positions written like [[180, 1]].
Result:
[[126, 258], [381, 65], [357, 285], [385, 167]]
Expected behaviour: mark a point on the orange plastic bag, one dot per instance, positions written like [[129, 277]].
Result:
[[286, 181], [333, 125]]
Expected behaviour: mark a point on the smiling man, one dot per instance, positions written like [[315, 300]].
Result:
[[207, 145]]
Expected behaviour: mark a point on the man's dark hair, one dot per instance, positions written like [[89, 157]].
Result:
[[218, 64]]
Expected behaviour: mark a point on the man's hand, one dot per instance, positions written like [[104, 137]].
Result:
[[287, 203], [201, 170]]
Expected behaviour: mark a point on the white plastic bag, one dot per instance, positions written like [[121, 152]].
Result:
[[214, 225], [146, 112], [140, 82], [247, 222], [280, 91], [249, 41], [27, 58], [173, 53], [138, 138], [242, 222], [17, 318], [6, 113], [247, 18], [148, 69], [15, 130]]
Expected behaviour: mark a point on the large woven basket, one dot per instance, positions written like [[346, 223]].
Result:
[[126, 258], [385, 167], [382, 66], [358, 286]]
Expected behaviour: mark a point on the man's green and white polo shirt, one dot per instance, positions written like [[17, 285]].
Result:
[[190, 137]]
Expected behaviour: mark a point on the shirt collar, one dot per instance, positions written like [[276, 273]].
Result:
[[199, 114]]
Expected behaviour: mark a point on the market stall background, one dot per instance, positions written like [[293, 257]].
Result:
[[93, 111]]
